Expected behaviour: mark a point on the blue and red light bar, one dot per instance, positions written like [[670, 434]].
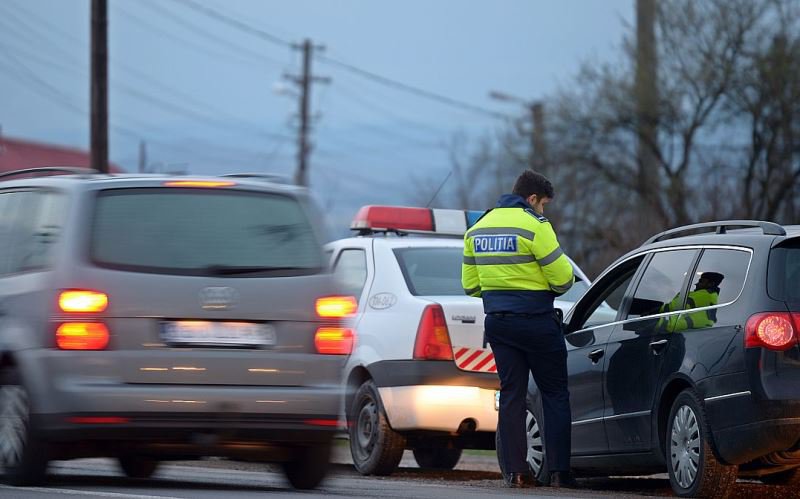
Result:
[[404, 219]]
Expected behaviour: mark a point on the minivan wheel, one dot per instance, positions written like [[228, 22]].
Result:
[[23, 456], [694, 470], [375, 447], [536, 451], [309, 466], [437, 458], [137, 466], [789, 478]]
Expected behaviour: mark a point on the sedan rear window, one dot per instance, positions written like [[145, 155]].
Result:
[[203, 232]]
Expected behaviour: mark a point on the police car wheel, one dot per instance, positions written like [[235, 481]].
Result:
[[376, 448], [437, 458], [23, 456], [694, 470], [137, 466], [536, 451]]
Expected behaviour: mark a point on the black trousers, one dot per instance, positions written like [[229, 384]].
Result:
[[531, 344]]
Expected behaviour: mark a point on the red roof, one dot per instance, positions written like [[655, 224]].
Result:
[[17, 154]]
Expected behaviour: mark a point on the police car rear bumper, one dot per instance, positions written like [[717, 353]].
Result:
[[436, 395]]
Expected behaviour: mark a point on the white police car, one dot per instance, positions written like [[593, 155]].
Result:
[[421, 376]]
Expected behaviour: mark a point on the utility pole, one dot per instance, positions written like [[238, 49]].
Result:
[[537, 152], [304, 81], [538, 159], [142, 156], [646, 99], [99, 86]]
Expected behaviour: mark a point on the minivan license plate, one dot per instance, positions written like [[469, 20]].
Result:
[[214, 333]]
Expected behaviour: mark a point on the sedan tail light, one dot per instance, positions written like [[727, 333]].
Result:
[[772, 330], [433, 338], [82, 336]]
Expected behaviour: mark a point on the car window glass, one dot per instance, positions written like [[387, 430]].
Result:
[[19, 228], [42, 226], [351, 271], [720, 272], [203, 232], [432, 271], [604, 310], [7, 212], [660, 289]]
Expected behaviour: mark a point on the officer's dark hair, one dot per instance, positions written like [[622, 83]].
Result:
[[530, 182]]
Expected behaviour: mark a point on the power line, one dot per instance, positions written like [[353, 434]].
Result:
[[164, 105], [369, 75], [233, 22], [206, 34], [420, 92]]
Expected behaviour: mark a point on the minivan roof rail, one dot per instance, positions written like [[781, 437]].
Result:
[[271, 177], [48, 169], [721, 227]]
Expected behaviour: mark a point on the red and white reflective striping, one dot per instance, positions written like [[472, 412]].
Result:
[[474, 359]]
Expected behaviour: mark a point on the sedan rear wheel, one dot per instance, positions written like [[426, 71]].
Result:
[[23, 457], [536, 451], [376, 448], [694, 470]]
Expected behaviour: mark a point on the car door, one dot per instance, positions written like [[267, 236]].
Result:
[[635, 352], [589, 327]]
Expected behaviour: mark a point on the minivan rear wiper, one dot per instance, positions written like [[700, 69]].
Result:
[[235, 269]]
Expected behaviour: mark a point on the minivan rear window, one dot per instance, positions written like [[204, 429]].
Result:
[[203, 232], [783, 274]]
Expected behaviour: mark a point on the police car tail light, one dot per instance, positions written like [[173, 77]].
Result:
[[772, 330], [433, 338], [82, 301], [334, 341], [82, 336], [336, 307]]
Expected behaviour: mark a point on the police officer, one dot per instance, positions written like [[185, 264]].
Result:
[[513, 261]]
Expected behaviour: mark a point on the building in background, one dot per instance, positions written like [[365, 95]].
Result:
[[17, 154]]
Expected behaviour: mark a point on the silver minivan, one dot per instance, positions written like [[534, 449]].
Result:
[[154, 318]]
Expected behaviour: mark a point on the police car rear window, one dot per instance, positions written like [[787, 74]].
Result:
[[210, 232], [431, 271]]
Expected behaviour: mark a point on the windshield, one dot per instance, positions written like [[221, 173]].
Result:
[[203, 232]]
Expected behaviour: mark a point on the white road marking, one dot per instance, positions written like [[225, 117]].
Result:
[[70, 492]]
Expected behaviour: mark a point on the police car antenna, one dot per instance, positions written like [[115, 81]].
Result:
[[439, 189]]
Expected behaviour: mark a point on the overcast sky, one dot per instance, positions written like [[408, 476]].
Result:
[[207, 96]]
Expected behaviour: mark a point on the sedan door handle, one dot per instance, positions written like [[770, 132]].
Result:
[[658, 346], [596, 355]]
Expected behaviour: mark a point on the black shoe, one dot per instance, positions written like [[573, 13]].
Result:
[[519, 480], [563, 480]]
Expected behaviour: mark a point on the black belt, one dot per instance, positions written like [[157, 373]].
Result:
[[513, 314]]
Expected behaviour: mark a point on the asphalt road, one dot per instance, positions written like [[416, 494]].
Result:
[[100, 478]]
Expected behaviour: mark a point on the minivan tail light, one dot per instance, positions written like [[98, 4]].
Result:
[[772, 330], [433, 338], [334, 340], [82, 336], [336, 307], [82, 301]]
